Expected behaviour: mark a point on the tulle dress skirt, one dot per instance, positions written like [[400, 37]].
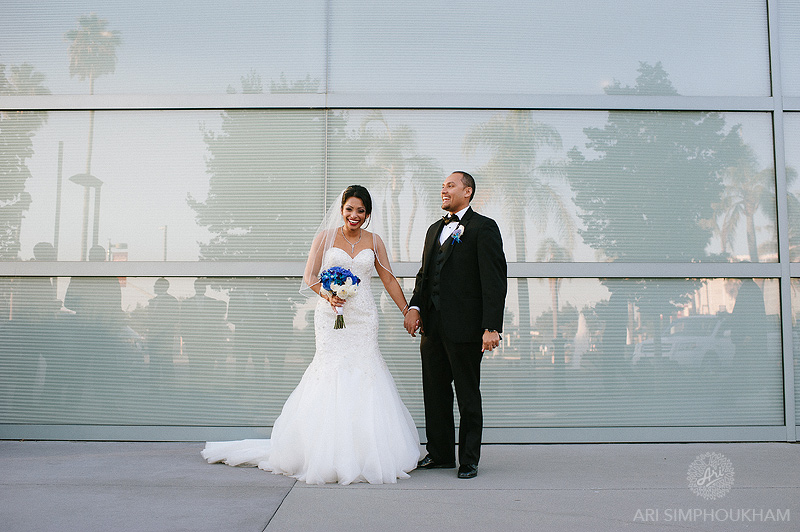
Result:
[[345, 421]]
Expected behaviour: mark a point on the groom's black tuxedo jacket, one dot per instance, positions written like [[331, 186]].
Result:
[[472, 286]]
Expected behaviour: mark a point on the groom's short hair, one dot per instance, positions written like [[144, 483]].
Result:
[[468, 181]]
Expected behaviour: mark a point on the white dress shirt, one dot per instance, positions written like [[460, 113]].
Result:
[[448, 229]]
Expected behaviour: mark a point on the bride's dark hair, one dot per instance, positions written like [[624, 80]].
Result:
[[357, 191]]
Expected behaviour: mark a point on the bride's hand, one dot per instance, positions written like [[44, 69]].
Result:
[[335, 301], [412, 321]]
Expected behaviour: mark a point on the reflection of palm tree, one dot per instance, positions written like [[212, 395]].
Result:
[[793, 204], [17, 129], [392, 153], [514, 139], [550, 251], [92, 53], [746, 189]]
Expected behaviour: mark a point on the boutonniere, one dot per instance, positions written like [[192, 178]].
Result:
[[457, 234]]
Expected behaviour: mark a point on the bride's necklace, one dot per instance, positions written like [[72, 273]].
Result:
[[353, 246]]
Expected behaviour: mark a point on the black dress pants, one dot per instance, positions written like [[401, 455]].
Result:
[[445, 363]]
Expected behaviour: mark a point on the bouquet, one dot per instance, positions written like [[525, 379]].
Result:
[[343, 283]]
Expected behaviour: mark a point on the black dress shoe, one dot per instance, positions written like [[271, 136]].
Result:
[[429, 463], [468, 471]]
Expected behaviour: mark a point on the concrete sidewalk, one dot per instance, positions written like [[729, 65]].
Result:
[[99, 486]]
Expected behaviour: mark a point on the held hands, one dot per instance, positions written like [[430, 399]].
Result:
[[491, 339], [412, 322]]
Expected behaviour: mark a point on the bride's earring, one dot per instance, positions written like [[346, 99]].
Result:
[[366, 224]]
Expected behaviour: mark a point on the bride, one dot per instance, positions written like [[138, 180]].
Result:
[[345, 421]]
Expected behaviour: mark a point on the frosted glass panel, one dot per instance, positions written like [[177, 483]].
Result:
[[163, 185], [227, 352], [792, 143], [716, 361], [152, 47], [146, 351], [796, 345], [548, 47], [789, 25], [572, 186]]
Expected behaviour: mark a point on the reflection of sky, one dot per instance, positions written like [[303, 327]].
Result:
[[552, 46], [549, 46], [148, 162], [171, 47]]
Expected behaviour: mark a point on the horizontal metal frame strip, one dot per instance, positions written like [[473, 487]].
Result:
[[490, 435], [791, 104], [387, 101], [401, 269]]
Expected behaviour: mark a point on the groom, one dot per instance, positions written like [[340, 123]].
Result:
[[457, 305]]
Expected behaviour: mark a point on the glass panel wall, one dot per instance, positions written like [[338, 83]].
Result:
[[193, 166], [512, 47], [549, 47], [792, 144], [249, 185], [152, 47], [227, 352]]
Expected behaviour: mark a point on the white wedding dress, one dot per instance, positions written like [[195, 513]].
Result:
[[345, 421]]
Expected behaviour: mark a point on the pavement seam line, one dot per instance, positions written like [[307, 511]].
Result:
[[279, 506]]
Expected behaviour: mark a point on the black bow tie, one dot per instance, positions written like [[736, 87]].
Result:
[[450, 218]]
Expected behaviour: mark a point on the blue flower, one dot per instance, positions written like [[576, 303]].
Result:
[[457, 234]]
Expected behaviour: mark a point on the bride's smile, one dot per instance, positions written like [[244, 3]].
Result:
[[354, 214]]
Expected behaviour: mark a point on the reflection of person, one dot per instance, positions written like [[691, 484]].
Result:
[[247, 311], [97, 303], [202, 328], [748, 324], [35, 297], [95, 300], [458, 304], [345, 421], [162, 329], [29, 334]]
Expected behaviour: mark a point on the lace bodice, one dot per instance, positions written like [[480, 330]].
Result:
[[361, 265], [355, 346]]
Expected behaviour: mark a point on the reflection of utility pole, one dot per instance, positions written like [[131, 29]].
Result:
[[96, 226], [57, 228], [164, 227], [88, 181]]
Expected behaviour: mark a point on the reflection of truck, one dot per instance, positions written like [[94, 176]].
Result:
[[692, 341]]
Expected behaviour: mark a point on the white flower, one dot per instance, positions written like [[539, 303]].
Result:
[[458, 233], [347, 290]]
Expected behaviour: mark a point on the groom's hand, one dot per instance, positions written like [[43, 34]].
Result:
[[491, 339], [412, 322]]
